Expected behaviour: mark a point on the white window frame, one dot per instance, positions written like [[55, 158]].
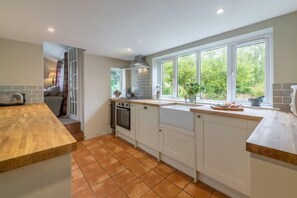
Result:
[[230, 43]]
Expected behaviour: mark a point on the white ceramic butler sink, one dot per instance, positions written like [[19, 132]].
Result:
[[177, 115]]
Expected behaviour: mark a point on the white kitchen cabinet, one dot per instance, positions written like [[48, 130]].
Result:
[[147, 125], [221, 150], [177, 143]]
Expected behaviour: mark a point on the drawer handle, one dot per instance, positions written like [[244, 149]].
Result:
[[160, 130], [198, 116], [145, 107]]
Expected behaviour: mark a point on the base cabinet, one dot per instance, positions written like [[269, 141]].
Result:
[[178, 144], [147, 124], [221, 152]]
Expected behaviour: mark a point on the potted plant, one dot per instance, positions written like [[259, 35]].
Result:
[[191, 90]]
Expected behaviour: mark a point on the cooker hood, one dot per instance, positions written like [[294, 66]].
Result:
[[139, 62]]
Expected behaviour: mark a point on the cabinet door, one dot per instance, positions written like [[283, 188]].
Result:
[[178, 146], [221, 150], [147, 125]]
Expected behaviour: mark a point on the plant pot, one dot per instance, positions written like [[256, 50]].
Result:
[[255, 102]]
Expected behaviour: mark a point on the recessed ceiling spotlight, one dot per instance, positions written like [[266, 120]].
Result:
[[220, 11], [129, 49], [51, 29]]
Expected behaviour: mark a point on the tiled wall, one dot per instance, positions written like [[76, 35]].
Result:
[[142, 83], [281, 95], [34, 93]]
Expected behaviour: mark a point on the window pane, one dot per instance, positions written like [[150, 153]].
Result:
[[250, 71], [115, 80], [167, 78], [213, 74], [186, 69]]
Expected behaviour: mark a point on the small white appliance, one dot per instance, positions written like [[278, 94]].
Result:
[[294, 100]]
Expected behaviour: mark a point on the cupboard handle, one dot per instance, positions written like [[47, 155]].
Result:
[[145, 107], [160, 130], [198, 116]]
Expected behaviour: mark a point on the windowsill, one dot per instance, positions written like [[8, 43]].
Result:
[[201, 102]]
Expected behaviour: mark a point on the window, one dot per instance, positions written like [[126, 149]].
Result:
[[167, 78], [233, 70], [213, 75], [115, 80], [186, 72], [250, 70]]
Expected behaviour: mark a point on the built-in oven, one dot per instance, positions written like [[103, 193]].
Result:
[[123, 114]]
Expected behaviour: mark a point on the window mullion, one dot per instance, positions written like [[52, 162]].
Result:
[[175, 77], [232, 72], [198, 69]]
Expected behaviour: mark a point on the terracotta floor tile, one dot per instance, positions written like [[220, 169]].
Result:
[[94, 147], [151, 178], [115, 149], [88, 193], [164, 169], [218, 194], [107, 160], [121, 155], [76, 174], [115, 168], [179, 179], [166, 189], [105, 188], [85, 160], [117, 194], [139, 169], [97, 177], [78, 154], [150, 194], [183, 194], [130, 161], [135, 189], [74, 166], [150, 162], [91, 168], [198, 190], [141, 156], [79, 185], [132, 151], [124, 178]]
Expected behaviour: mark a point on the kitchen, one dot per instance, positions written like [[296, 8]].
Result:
[[23, 60]]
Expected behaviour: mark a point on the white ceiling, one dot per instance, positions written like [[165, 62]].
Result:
[[109, 27]]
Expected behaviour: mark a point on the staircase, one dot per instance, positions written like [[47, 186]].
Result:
[[74, 127]]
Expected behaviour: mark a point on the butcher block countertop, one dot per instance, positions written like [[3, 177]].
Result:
[[31, 133], [150, 102], [275, 136]]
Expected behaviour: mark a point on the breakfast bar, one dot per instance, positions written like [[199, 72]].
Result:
[[35, 153]]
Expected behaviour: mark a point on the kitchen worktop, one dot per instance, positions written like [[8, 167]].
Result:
[[150, 102], [29, 134], [275, 136]]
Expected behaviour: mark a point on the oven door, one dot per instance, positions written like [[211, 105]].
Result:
[[123, 117]]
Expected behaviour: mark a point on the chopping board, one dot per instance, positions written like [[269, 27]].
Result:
[[227, 108]]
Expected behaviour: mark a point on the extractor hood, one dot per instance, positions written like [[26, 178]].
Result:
[[139, 62]]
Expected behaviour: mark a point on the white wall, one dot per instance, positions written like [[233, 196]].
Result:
[[20, 63], [284, 41], [96, 93]]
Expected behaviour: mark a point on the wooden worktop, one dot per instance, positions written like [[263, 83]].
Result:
[[150, 102], [31, 133], [275, 137]]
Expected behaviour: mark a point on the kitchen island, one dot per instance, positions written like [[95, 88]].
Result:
[[35, 153]]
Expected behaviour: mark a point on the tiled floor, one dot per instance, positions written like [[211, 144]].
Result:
[[110, 167]]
